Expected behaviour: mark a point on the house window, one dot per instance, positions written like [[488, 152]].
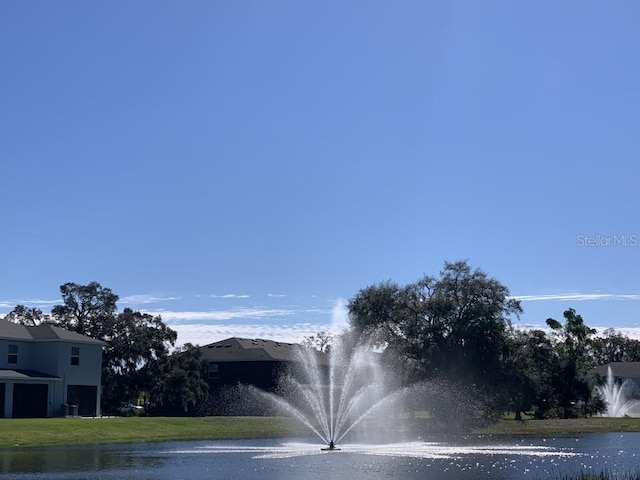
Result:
[[75, 355], [12, 358], [213, 370]]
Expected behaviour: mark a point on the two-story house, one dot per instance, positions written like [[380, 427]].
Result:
[[44, 368]]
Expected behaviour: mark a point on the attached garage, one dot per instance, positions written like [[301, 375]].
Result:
[[27, 394]]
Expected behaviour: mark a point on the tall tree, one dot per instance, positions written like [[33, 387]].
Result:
[[134, 339], [86, 309], [530, 366], [137, 340], [453, 327], [574, 337], [396, 317], [574, 345], [178, 383], [474, 312], [613, 346]]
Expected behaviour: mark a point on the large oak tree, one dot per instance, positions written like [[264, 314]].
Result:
[[135, 340], [454, 326]]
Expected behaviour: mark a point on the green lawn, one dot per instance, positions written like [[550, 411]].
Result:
[[75, 431], [559, 426]]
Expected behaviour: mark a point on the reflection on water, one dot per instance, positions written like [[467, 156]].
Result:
[[469, 458], [74, 459]]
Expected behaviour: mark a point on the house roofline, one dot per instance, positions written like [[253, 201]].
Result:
[[26, 375], [88, 341], [43, 333]]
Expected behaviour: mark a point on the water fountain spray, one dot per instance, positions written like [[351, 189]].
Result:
[[332, 393], [615, 396]]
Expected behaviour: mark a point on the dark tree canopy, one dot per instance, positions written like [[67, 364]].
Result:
[[28, 316], [86, 309], [530, 366], [135, 340], [574, 346], [454, 326], [179, 382], [613, 346], [457, 327], [574, 337]]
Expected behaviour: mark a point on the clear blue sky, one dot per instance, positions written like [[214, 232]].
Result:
[[243, 167]]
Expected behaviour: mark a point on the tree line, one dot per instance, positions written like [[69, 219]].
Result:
[[458, 327]]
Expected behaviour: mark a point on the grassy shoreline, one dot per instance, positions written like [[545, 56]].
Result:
[[563, 427], [33, 432], [75, 431]]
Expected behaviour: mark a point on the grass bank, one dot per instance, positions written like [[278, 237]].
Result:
[[75, 431], [560, 426], [29, 432]]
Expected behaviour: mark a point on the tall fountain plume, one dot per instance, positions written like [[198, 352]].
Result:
[[332, 393], [615, 395]]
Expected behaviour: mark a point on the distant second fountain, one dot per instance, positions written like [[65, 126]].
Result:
[[615, 394]]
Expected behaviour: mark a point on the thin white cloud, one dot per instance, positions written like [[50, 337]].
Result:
[[576, 297], [230, 295], [316, 310], [221, 315], [204, 334], [276, 295], [28, 302], [144, 299]]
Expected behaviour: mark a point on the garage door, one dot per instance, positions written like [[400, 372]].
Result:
[[30, 400]]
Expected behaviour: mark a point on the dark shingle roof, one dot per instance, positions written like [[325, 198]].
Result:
[[51, 332], [247, 349], [42, 332], [13, 330]]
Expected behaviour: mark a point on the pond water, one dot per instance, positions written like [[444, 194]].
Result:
[[468, 458]]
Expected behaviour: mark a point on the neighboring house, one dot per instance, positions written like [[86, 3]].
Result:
[[45, 368], [254, 362]]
